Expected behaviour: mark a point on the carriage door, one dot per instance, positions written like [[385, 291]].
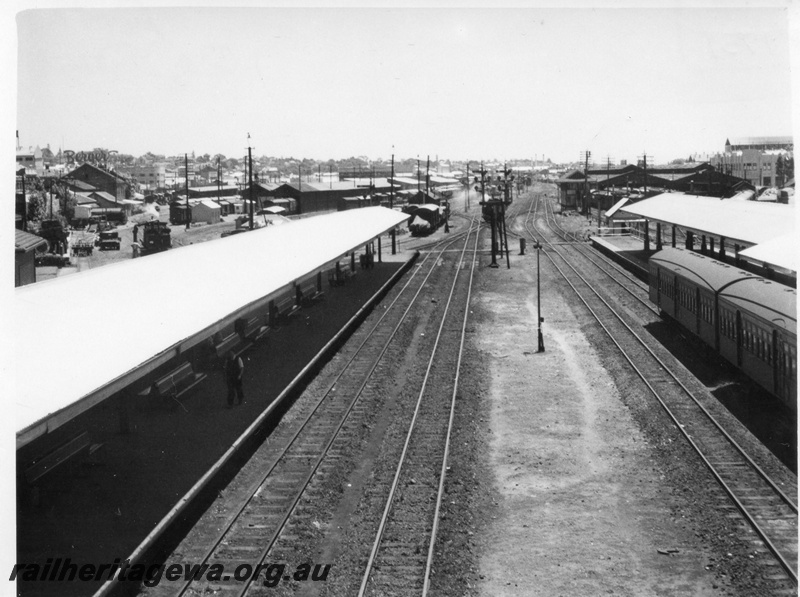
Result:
[[785, 363], [739, 338]]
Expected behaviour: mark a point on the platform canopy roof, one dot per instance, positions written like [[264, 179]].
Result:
[[617, 206], [743, 222], [146, 311], [778, 252]]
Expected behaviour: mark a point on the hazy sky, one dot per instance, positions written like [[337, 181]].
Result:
[[466, 82]]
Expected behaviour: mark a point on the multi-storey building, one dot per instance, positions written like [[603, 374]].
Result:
[[147, 177], [759, 160]]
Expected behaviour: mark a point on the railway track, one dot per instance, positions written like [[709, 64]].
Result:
[[401, 558], [268, 521], [619, 276], [766, 508]]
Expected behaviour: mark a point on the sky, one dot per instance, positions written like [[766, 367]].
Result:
[[467, 82]]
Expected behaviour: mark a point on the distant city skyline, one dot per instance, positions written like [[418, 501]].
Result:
[[471, 83]]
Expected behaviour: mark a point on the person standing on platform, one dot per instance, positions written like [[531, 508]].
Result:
[[135, 232], [234, 368]]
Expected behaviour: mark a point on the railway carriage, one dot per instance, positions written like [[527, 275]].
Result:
[[749, 321], [427, 218]]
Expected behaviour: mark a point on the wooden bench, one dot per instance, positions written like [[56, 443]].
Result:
[[66, 452], [254, 330], [310, 293], [336, 277], [176, 383], [282, 310], [235, 343], [79, 447]]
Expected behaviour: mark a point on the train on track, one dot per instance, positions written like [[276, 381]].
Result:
[[749, 320], [156, 237], [425, 218]]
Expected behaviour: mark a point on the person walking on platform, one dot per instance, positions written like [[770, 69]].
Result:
[[234, 367]]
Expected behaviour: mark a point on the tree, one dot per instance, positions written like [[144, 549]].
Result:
[[784, 169], [37, 206]]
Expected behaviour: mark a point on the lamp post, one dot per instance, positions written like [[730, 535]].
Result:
[[539, 319]]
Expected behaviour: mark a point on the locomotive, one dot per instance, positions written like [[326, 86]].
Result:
[[749, 320], [426, 218], [156, 237]]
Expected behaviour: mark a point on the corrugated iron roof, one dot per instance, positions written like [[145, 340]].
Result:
[[105, 195], [779, 252], [746, 222], [75, 383], [616, 207], [25, 241], [79, 184]]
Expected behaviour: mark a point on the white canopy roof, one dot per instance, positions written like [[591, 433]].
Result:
[[748, 222], [164, 304], [779, 252]]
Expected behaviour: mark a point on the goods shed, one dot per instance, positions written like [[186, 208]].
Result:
[[207, 211], [75, 383]]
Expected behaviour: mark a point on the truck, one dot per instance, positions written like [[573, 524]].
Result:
[[108, 240]]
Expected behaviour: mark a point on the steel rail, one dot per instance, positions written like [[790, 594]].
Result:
[[745, 512], [401, 461], [443, 473], [256, 486], [578, 246], [688, 392]]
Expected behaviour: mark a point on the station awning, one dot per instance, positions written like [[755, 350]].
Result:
[[146, 311], [745, 222], [779, 252]]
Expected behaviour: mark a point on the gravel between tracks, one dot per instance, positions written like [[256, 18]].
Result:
[[565, 478], [596, 493]]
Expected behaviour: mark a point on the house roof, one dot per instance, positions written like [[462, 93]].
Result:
[[80, 184], [25, 242], [104, 195], [81, 199]]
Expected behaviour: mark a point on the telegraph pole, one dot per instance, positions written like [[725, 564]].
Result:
[[491, 206], [391, 206], [186, 165], [608, 176], [466, 206], [644, 165], [586, 156], [250, 160], [428, 177], [219, 181], [506, 200], [300, 186]]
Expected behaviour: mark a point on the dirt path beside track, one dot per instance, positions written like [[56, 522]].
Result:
[[583, 508]]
